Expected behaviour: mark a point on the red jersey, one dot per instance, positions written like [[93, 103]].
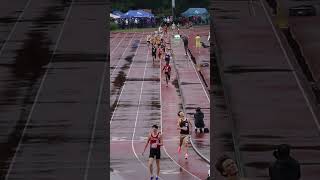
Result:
[[167, 68], [154, 140]]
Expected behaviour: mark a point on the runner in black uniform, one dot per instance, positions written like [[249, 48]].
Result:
[[154, 53], [167, 58], [184, 125], [155, 140]]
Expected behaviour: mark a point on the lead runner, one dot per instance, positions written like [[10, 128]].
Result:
[[155, 140]]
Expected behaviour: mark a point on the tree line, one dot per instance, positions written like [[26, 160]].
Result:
[[159, 8]]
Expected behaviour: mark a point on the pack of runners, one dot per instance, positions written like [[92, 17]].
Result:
[[159, 51]]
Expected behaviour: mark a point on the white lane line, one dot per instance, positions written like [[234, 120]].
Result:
[[291, 66], [193, 145], [116, 107], [118, 43], [161, 124], [195, 70], [37, 95], [14, 27], [137, 115], [121, 57]]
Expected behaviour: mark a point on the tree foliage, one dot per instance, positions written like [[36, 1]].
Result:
[[158, 7]]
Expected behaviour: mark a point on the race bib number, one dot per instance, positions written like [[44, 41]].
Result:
[[154, 145]]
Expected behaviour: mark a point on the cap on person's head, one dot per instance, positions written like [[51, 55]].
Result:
[[198, 109], [155, 126], [219, 164]]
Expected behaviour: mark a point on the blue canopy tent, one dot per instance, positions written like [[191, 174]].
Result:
[[137, 14], [195, 12], [199, 12]]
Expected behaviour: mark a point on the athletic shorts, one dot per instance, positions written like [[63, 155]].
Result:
[[168, 74], [154, 55], [182, 136], [155, 152]]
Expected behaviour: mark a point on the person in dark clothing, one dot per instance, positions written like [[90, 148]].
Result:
[[198, 120], [185, 43], [285, 167]]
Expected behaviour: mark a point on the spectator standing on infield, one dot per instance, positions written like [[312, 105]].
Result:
[[185, 43]]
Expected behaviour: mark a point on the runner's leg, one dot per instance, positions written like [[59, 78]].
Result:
[[150, 166], [167, 78], [158, 167]]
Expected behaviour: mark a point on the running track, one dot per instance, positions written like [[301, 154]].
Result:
[[140, 103]]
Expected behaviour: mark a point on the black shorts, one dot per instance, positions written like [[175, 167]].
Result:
[[154, 55], [168, 74], [155, 152]]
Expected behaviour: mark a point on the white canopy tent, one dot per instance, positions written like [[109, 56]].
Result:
[[114, 16]]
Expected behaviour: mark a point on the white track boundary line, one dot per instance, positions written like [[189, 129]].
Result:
[[137, 115], [189, 59], [194, 147], [118, 43], [115, 109], [164, 147], [121, 57], [14, 27], [291, 66], [37, 95]]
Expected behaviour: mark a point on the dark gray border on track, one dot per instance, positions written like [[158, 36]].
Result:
[[216, 50], [107, 90], [102, 110]]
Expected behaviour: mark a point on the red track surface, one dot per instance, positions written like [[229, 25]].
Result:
[[139, 105]]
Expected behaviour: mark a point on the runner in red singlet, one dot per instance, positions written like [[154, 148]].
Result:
[[155, 140]]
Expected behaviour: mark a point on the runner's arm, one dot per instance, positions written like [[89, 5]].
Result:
[[145, 147], [190, 126], [178, 125], [161, 140]]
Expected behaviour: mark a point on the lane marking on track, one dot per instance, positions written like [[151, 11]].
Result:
[[203, 88], [14, 26], [118, 43], [124, 84], [195, 70], [121, 57], [37, 95], [137, 114], [164, 147], [316, 121]]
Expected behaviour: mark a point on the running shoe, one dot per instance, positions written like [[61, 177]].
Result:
[[179, 149], [157, 178], [186, 156], [151, 178]]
